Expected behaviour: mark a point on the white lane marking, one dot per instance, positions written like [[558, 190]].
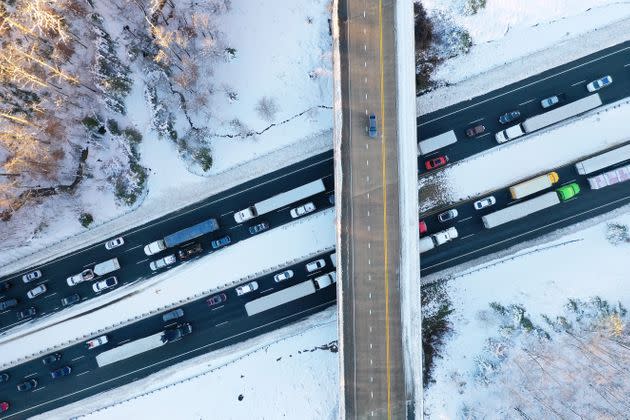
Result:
[[50, 295], [369, 245], [369, 261], [568, 182], [364, 47], [367, 179], [467, 236], [365, 64], [476, 121], [578, 83], [87, 265], [463, 220], [30, 374], [526, 102], [368, 196], [77, 358], [266, 290], [141, 261], [235, 227], [367, 163], [124, 341], [366, 96], [525, 86], [222, 323], [218, 307], [225, 214], [83, 373], [364, 13], [38, 389], [131, 249], [483, 135], [369, 228]]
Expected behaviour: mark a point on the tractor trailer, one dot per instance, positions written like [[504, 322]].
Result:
[[548, 118], [281, 297], [516, 211], [280, 200], [182, 236], [133, 348], [429, 242], [603, 160], [613, 177], [437, 142], [533, 185]]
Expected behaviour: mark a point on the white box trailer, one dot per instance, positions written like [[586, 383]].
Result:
[[280, 200], [106, 267], [437, 142], [517, 211], [562, 113], [133, 348], [604, 160], [273, 300], [613, 177]]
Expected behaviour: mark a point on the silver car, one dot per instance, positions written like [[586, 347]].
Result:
[[33, 293], [114, 243], [246, 288], [285, 275], [33, 275], [315, 265], [485, 202], [162, 262], [448, 215]]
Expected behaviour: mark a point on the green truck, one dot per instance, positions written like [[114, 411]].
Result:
[[568, 191]]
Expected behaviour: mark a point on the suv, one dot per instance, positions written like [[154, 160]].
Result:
[[51, 358], [27, 385], [599, 83], [325, 280], [95, 342], [6, 304], [302, 210], [64, 371], [177, 333], [475, 131], [70, 300], [372, 130], [162, 262], [315, 265], [448, 215], [509, 117], [260, 227], [33, 293], [285, 275], [33, 275], [84, 275], [221, 242], [169, 316], [485, 202], [114, 243], [246, 288], [216, 299], [25, 313], [108, 283], [190, 250]]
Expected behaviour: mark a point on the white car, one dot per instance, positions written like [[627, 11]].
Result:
[[315, 265], [302, 210], [599, 83], [550, 101], [84, 275], [246, 288], [162, 262], [95, 342], [114, 243], [285, 275], [108, 283], [33, 275], [325, 280], [33, 293], [485, 202]]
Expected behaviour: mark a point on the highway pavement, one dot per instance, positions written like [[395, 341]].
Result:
[[568, 80], [372, 357], [135, 264], [213, 327]]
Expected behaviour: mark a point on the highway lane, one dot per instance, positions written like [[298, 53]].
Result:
[[475, 240], [525, 95], [372, 358], [135, 264], [213, 327]]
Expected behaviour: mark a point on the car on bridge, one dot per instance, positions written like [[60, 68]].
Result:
[[372, 130]]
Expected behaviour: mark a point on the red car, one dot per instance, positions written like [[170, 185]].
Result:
[[4, 406], [436, 162], [216, 299], [423, 227]]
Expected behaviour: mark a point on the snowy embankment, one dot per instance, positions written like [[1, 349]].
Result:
[[294, 45], [478, 371], [290, 373], [524, 39], [188, 281], [522, 158]]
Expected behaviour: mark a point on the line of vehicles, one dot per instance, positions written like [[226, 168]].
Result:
[[522, 205]]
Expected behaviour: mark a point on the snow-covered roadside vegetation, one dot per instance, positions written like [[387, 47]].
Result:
[[539, 334], [151, 96]]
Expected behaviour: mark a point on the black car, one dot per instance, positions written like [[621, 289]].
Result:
[[509, 117], [177, 333], [4, 377], [27, 385], [9, 303], [260, 227], [64, 371], [190, 250], [51, 358], [5, 285], [70, 300], [26, 313]]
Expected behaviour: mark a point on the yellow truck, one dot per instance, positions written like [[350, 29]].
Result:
[[533, 185]]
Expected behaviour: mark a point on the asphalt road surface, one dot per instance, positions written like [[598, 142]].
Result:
[[135, 264], [373, 371], [568, 80], [213, 327]]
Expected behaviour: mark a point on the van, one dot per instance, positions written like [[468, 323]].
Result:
[[169, 316]]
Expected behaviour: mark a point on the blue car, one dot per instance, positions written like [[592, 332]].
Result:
[[221, 242], [64, 371], [509, 117], [372, 130]]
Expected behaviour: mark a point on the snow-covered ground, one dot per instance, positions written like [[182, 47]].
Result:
[[522, 158], [282, 52], [469, 374]]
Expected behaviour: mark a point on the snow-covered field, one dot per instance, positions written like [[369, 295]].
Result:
[[485, 343], [557, 146]]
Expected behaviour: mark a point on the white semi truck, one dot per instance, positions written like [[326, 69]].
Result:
[[533, 185], [604, 160], [613, 177], [429, 242], [280, 200], [516, 211], [437, 142], [181, 236], [548, 118]]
